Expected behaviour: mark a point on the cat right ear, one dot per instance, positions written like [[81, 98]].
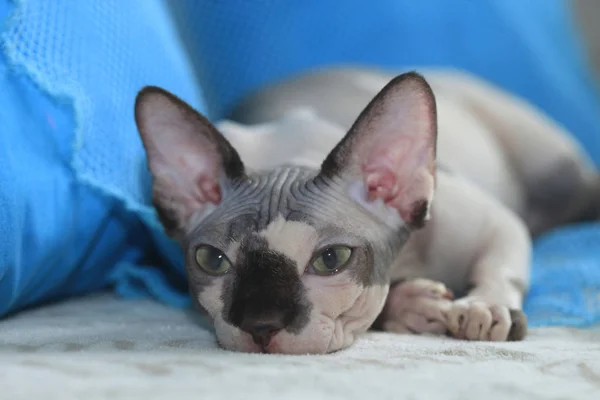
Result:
[[189, 159], [389, 153]]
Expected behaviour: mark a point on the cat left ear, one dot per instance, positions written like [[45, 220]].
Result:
[[389, 153], [189, 159]]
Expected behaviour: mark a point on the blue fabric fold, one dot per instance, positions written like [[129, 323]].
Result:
[[75, 212]]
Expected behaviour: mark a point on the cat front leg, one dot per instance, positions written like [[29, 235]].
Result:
[[478, 248], [492, 308], [498, 276], [423, 306]]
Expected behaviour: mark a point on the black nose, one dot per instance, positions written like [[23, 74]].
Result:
[[262, 328]]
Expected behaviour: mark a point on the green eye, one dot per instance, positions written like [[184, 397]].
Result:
[[331, 260], [213, 261]]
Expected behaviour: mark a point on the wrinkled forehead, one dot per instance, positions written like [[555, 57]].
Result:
[[253, 204], [290, 209]]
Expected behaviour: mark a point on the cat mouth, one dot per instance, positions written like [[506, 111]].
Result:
[[274, 347], [278, 345], [252, 347], [271, 348], [248, 345]]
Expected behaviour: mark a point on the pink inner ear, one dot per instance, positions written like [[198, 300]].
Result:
[[190, 179], [399, 170], [197, 171], [210, 189]]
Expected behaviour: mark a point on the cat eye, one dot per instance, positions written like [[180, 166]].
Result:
[[331, 260], [212, 260]]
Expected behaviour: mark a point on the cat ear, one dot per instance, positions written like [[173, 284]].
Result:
[[188, 158], [389, 153]]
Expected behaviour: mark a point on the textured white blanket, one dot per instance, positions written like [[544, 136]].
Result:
[[103, 348]]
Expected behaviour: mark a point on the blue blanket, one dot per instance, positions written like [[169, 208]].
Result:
[[75, 213], [74, 189]]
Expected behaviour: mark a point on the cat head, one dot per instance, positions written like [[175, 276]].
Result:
[[293, 260]]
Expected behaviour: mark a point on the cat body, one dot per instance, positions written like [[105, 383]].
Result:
[[362, 198]]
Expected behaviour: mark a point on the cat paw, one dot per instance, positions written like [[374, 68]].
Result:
[[471, 319], [416, 306]]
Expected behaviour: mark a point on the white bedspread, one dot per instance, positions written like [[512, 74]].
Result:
[[103, 348]]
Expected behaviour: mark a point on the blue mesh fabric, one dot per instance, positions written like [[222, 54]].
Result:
[[77, 49], [73, 181]]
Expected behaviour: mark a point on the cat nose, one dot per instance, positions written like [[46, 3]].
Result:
[[262, 329]]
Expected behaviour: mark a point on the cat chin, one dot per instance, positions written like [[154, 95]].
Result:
[[280, 344], [320, 337]]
